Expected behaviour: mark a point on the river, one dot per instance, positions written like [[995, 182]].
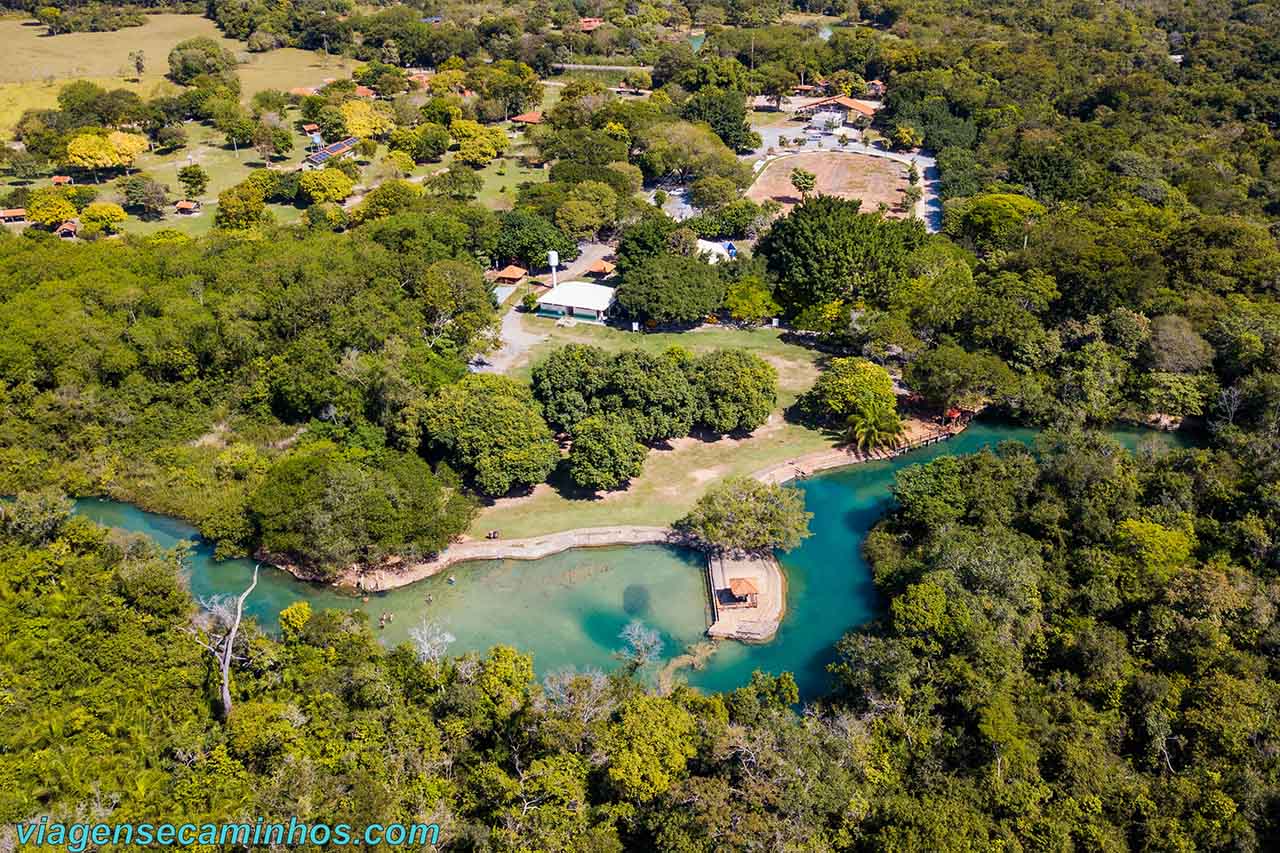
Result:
[[567, 610]]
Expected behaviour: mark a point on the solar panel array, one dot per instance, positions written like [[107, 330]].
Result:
[[335, 149]]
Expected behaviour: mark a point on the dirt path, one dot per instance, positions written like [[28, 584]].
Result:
[[516, 339], [516, 342]]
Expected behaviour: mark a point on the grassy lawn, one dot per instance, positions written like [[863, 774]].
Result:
[[550, 97], [772, 117], [501, 177], [225, 166], [673, 478], [202, 223], [38, 65]]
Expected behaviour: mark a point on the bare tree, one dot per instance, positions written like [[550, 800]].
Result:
[[217, 635], [431, 640], [644, 644], [1229, 400], [583, 696]]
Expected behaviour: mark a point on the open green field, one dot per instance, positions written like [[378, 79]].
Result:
[[501, 177], [226, 167], [674, 477], [772, 117], [37, 65]]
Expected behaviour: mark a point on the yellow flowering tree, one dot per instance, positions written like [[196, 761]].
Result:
[[363, 120], [127, 146], [93, 152]]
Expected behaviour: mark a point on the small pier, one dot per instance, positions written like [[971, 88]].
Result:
[[748, 597]]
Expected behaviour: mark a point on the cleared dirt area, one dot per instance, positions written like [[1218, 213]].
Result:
[[840, 173]]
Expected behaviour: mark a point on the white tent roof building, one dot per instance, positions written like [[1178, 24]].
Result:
[[580, 299]]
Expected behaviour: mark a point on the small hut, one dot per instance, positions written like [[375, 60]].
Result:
[[62, 180], [743, 592], [68, 230], [601, 269], [510, 274], [13, 214], [527, 119], [187, 207]]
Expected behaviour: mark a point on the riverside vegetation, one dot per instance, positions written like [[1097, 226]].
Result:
[[1077, 645]]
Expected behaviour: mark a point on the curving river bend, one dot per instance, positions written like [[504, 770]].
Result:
[[568, 609]]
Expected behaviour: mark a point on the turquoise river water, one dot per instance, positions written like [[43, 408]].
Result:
[[567, 610]]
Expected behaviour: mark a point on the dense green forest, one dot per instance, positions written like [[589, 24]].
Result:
[[1078, 654]]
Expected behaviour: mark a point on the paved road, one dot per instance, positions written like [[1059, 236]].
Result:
[[571, 66], [591, 252], [929, 207]]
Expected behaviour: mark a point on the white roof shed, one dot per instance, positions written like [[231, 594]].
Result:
[[578, 297]]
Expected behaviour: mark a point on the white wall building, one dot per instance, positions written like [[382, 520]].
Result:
[[581, 300]]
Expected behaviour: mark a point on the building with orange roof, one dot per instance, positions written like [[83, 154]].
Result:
[[510, 274]]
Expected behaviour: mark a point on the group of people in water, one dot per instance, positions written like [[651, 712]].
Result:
[[388, 617]]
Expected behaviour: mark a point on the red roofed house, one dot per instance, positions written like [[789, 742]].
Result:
[[590, 24], [310, 127], [302, 91], [528, 118], [68, 230], [743, 592], [187, 207], [601, 268], [62, 180], [13, 214], [875, 88], [851, 108], [510, 274], [365, 92]]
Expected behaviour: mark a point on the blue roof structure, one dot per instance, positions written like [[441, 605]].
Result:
[[335, 149]]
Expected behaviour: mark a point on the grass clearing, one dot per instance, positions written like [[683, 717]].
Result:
[[771, 118], [501, 177], [673, 477], [672, 480], [38, 65]]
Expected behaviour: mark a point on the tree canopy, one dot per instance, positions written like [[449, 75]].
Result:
[[741, 514]]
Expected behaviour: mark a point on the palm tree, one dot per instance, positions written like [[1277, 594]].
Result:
[[803, 181], [875, 425]]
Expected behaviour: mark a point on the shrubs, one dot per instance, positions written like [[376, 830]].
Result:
[[848, 385]]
